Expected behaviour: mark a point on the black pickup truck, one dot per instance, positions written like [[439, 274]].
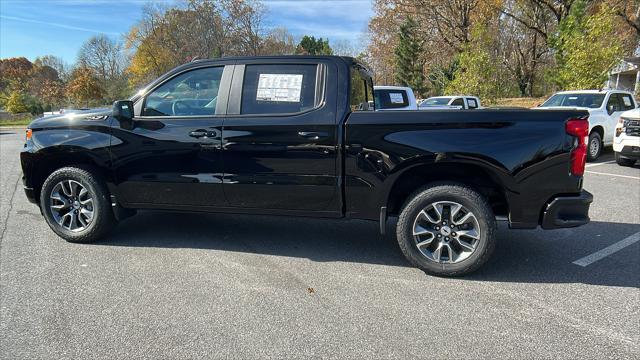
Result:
[[295, 136]]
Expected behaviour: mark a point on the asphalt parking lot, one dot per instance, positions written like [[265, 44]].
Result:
[[223, 286]]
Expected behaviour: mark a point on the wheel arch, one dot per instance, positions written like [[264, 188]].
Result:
[[49, 162], [598, 129], [472, 175]]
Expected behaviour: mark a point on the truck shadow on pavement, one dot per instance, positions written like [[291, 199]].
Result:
[[522, 256]]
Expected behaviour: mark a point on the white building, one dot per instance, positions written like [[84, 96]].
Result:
[[626, 75]]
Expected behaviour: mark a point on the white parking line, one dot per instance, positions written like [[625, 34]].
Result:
[[602, 163], [608, 174], [599, 255]]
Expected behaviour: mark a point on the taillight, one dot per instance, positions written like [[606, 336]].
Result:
[[580, 129]]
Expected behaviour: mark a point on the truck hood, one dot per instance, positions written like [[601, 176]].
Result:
[[66, 119]]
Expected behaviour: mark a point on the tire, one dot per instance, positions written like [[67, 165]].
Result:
[[623, 161], [62, 194], [445, 195], [594, 147]]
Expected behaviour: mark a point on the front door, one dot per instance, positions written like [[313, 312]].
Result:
[[280, 138], [170, 154]]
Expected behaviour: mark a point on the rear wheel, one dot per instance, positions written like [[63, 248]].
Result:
[[76, 205], [446, 229], [595, 146], [623, 161]]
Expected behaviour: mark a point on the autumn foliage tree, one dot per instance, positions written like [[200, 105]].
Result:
[[84, 86]]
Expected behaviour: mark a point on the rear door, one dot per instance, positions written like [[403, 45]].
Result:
[[169, 156], [280, 137]]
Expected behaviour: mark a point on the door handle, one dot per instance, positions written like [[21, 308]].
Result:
[[202, 133], [313, 135]]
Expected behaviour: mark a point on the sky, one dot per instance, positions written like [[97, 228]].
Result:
[[32, 28]]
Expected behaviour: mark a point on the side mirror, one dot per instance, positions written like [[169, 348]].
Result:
[[610, 109], [123, 110]]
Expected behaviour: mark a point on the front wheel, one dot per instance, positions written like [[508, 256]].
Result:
[[595, 146], [75, 204], [446, 229]]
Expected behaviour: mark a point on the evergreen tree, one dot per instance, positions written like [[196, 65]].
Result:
[[309, 45], [408, 53]]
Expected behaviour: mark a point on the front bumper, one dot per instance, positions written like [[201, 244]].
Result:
[[29, 191], [567, 211], [631, 152]]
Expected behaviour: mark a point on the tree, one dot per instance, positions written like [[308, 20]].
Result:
[[476, 71], [279, 42], [590, 48], [16, 103], [409, 66], [84, 86], [103, 55], [199, 29], [14, 73], [106, 58], [309, 45], [55, 63]]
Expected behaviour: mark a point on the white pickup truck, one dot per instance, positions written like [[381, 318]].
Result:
[[450, 102], [626, 143], [604, 106], [393, 98]]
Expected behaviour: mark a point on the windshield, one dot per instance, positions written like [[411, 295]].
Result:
[[575, 100], [436, 101]]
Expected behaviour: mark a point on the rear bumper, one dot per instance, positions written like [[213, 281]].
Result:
[[567, 211]]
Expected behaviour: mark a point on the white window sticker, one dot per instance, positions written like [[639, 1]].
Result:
[[279, 87], [627, 100], [396, 98]]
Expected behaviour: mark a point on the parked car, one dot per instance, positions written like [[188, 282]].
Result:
[[285, 136], [450, 102], [393, 98], [626, 143], [604, 109]]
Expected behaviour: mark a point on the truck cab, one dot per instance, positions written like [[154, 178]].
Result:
[[394, 98]]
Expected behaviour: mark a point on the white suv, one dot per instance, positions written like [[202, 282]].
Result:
[[604, 109], [626, 142]]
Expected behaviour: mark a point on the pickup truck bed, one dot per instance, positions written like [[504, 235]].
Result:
[[294, 136]]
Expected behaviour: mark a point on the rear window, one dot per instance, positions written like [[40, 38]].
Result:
[[626, 101], [391, 99], [575, 100], [278, 89]]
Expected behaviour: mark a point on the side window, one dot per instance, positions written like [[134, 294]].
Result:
[[458, 102], [614, 103], [473, 104], [361, 90], [278, 89], [626, 101], [192, 93]]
